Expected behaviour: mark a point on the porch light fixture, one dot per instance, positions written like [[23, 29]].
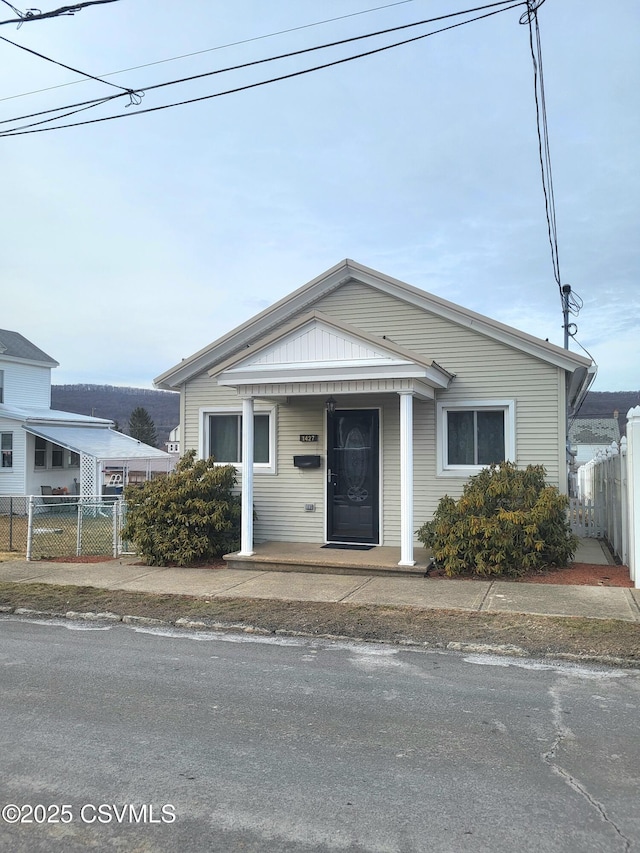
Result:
[[331, 405]]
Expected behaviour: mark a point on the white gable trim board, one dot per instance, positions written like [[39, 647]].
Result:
[[318, 349]]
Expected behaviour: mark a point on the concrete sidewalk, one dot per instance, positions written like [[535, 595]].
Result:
[[419, 592]]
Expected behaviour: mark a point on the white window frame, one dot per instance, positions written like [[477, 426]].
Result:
[[442, 410], [70, 459], [10, 450], [258, 467]]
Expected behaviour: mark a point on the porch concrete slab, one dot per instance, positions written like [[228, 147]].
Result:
[[182, 581], [593, 551], [297, 586], [425, 594], [591, 602], [635, 597], [315, 558]]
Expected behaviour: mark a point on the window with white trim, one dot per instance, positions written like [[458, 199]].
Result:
[[475, 434], [6, 447], [222, 438], [1, 386], [49, 455]]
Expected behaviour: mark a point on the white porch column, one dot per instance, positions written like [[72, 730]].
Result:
[[246, 540], [406, 479]]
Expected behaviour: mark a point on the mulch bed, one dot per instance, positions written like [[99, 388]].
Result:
[[578, 574]]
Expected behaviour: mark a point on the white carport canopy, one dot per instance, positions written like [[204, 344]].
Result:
[[104, 444], [102, 448]]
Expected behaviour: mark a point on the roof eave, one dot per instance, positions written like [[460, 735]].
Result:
[[31, 362], [254, 328], [259, 325]]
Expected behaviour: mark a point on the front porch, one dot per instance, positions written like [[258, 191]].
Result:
[[318, 559]]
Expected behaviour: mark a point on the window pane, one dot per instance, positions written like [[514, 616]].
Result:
[[6, 442], [261, 438], [41, 453], [490, 437], [57, 456], [224, 438], [460, 438]]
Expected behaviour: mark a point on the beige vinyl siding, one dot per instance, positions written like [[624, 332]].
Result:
[[483, 368], [279, 499]]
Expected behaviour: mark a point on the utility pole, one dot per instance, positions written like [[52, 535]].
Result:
[[566, 293], [569, 328]]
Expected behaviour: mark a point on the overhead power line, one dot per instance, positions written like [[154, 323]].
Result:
[[530, 17], [62, 65], [571, 303], [37, 15], [217, 47], [86, 105]]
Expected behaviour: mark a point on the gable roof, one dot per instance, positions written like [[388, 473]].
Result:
[[13, 345], [346, 271]]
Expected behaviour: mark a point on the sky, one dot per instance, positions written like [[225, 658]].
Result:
[[129, 244]]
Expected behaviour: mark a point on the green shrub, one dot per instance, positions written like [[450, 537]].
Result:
[[189, 516], [507, 522]]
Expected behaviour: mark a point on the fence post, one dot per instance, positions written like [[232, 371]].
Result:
[[633, 501], [114, 528], [624, 508], [30, 528], [79, 521]]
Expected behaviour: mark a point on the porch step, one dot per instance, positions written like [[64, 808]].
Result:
[[304, 557]]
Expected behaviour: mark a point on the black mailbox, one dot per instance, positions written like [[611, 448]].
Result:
[[306, 461]]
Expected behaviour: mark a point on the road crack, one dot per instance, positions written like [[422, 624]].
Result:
[[549, 757]]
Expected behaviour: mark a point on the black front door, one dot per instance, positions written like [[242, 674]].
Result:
[[352, 475]]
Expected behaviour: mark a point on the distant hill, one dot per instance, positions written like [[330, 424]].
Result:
[[116, 404]]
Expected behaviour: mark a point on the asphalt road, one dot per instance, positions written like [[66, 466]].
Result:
[[140, 740]]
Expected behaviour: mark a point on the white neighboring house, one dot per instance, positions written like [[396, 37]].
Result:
[[173, 445], [42, 447]]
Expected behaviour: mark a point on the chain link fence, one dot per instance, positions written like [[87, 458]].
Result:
[[62, 526], [14, 511]]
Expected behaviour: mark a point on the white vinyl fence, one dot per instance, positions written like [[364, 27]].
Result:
[[608, 503]]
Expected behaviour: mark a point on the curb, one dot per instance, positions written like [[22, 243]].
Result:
[[506, 650]]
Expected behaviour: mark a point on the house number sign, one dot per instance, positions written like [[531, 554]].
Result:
[[308, 437]]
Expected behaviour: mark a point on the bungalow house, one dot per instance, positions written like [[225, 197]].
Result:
[[44, 449], [351, 406]]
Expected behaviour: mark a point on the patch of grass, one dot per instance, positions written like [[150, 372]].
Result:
[[536, 635]]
